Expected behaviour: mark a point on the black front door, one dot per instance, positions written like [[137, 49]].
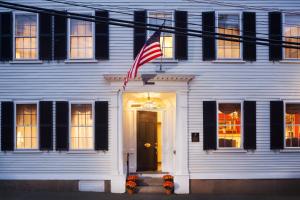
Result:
[[146, 141]]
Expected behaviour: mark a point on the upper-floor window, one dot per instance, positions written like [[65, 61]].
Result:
[[166, 39], [229, 125], [26, 126], [291, 33], [292, 125], [82, 126], [81, 43], [26, 43], [228, 24]]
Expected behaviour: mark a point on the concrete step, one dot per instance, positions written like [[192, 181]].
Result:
[[151, 189], [150, 182]]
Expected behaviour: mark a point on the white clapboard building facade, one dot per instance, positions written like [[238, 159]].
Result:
[[213, 113]]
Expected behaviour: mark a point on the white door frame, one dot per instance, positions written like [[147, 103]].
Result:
[[163, 83]]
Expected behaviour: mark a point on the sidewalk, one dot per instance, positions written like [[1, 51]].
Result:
[[105, 196]]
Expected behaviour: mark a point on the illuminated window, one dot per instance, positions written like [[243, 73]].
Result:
[[81, 39], [81, 126], [229, 125], [26, 126], [166, 39], [25, 36], [229, 24], [292, 125], [292, 34]]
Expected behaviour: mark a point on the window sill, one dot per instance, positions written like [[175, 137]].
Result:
[[165, 61], [229, 61], [295, 150], [81, 61], [26, 62], [230, 151], [82, 152], [296, 61], [26, 151]]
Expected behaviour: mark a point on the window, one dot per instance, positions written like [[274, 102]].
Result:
[[229, 24], [166, 39], [81, 39], [292, 34], [26, 126], [81, 126], [292, 125], [229, 125], [25, 36]]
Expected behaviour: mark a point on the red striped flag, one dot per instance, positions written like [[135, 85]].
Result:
[[149, 51]]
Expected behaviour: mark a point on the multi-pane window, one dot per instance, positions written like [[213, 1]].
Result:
[[229, 125], [81, 126], [228, 24], [81, 39], [26, 126], [25, 36], [166, 39], [292, 34], [292, 125]]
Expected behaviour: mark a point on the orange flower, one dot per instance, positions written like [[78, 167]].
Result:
[[130, 185], [168, 185], [132, 178], [168, 178]]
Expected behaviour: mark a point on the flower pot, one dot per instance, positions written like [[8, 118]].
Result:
[[129, 191], [168, 192]]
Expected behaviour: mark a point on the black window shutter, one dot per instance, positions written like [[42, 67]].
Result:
[[249, 125], [275, 33], [101, 125], [276, 124], [102, 36], [209, 125], [45, 36], [7, 126], [208, 39], [249, 30], [140, 31], [6, 36], [181, 41], [60, 37], [46, 125], [62, 126]]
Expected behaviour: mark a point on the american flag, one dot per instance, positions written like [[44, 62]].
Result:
[[149, 51]]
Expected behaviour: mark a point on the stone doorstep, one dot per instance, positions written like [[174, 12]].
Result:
[[151, 189], [150, 182]]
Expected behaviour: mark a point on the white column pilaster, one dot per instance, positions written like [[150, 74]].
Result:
[[118, 174], [181, 175]]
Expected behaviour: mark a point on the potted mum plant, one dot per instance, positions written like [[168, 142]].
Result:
[[169, 186], [130, 187], [168, 178], [133, 178]]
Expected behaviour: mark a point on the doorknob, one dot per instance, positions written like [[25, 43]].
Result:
[[147, 145]]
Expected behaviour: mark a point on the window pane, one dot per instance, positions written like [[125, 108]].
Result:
[[82, 126], [292, 34], [292, 125], [229, 24], [166, 39], [26, 130], [229, 123], [81, 42], [25, 33]]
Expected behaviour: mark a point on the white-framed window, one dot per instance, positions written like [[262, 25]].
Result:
[[25, 36], [292, 125], [166, 39], [82, 126], [291, 33], [229, 125], [26, 130], [81, 39], [230, 24]]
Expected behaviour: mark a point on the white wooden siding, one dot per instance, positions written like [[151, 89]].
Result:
[[261, 81]]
